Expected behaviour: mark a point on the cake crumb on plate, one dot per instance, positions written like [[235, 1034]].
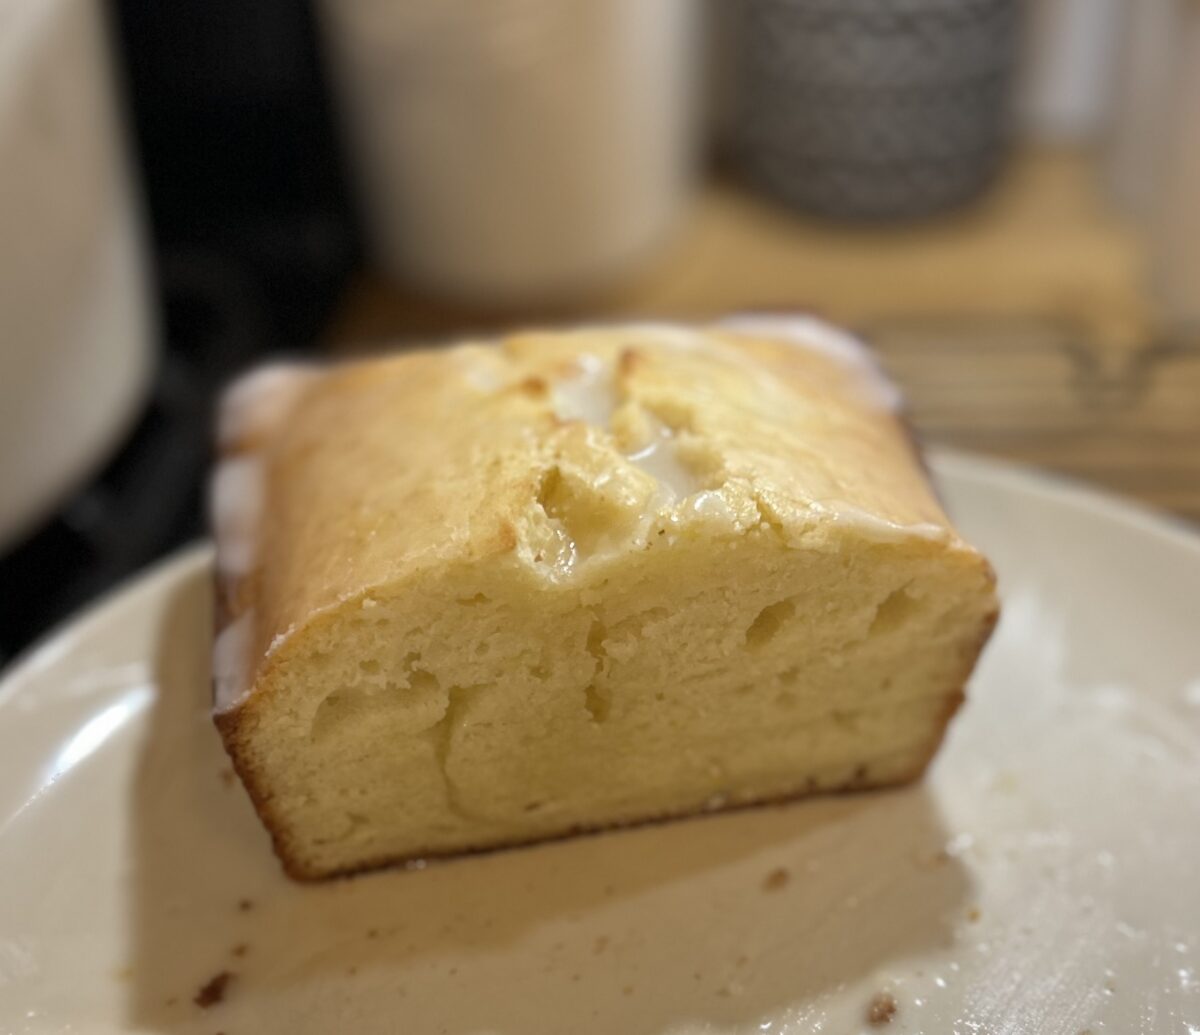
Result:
[[881, 1009], [213, 991]]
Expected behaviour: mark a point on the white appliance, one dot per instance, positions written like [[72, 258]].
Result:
[[75, 325]]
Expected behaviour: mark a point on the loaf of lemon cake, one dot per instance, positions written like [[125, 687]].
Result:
[[496, 593]]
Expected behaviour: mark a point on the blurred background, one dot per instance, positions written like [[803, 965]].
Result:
[[1000, 196]]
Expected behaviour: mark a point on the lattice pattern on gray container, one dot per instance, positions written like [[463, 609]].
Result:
[[874, 108]]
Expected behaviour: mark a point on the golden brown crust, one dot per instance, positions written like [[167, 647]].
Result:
[[231, 724]]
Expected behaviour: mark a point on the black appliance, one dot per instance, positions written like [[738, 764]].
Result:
[[253, 238]]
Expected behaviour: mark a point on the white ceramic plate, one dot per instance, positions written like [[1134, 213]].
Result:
[[1044, 878]]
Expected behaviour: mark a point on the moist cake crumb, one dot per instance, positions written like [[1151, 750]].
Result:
[[213, 991], [776, 879]]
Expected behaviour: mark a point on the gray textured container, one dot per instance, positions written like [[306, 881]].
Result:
[[874, 109]]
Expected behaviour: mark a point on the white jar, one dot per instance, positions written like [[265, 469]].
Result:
[[76, 327], [517, 149], [1153, 150]]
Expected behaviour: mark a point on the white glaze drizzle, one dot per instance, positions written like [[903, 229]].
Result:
[[711, 505], [588, 395], [257, 403], [481, 366], [237, 511], [660, 460], [879, 529], [251, 409], [809, 332], [231, 662]]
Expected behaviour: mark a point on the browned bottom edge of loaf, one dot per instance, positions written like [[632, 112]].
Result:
[[294, 868]]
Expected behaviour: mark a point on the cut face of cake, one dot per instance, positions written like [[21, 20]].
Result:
[[493, 594]]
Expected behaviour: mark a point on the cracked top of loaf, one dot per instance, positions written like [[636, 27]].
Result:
[[553, 455]]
